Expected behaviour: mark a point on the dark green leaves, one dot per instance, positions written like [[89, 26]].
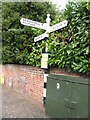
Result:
[[73, 49]]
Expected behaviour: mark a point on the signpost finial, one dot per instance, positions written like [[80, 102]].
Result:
[[48, 15], [48, 19]]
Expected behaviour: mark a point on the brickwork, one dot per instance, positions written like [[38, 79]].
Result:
[[26, 79], [62, 71]]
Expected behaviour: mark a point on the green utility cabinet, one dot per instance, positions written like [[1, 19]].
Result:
[[67, 97]]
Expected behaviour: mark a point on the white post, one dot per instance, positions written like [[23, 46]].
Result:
[[48, 25]]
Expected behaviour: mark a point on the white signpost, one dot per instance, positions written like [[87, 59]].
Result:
[[46, 26]]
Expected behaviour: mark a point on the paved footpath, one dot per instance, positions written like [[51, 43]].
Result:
[[20, 105]]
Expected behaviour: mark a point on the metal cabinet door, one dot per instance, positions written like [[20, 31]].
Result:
[[67, 97], [57, 93], [79, 101]]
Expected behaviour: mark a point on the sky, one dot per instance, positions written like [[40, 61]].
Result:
[[60, 3]]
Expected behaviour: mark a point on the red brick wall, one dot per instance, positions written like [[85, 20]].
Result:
[[26, 79], [29, 79], [62, 71]]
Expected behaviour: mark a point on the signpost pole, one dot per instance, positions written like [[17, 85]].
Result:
[[46, 71]]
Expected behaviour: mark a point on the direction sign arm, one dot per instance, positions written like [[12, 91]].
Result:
[[32, 23], [40, 37], [58, 26]]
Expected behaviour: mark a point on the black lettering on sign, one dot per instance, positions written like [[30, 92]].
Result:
[[26, 21]]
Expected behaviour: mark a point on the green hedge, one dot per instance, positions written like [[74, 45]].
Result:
[[68, 47]]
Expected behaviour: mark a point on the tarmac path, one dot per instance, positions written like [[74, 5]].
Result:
[[20, 105]]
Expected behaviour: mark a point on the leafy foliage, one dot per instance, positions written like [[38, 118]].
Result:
[[68, 47]]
